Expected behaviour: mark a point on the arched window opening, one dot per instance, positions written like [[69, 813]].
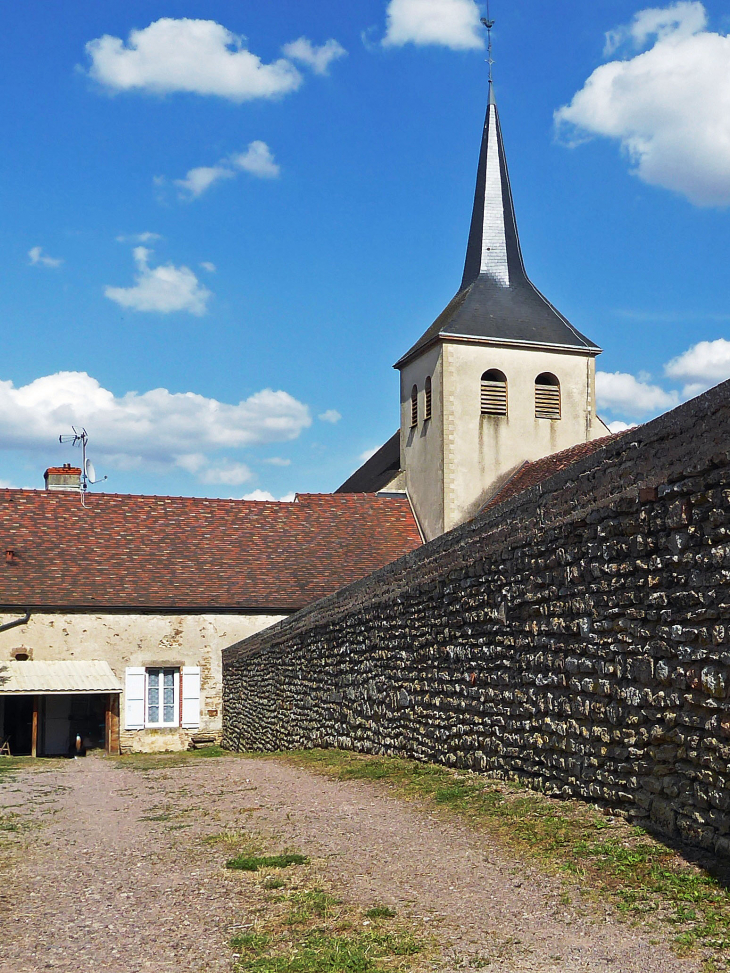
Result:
[[547, 396], [414, 406], [494, 393], [427, 407]]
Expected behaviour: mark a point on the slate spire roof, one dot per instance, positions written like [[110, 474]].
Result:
[[497, 302]]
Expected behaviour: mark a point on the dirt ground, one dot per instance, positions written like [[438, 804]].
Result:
[[113, 874]]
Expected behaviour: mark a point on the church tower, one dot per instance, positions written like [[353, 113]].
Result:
[[500, 377]]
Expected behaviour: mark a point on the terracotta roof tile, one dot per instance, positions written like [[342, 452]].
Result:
[[184, 553], [531, 474]]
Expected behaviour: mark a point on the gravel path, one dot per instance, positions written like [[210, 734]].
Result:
[[116, 877]]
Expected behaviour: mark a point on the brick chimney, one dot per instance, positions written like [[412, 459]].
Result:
[[64, 477]]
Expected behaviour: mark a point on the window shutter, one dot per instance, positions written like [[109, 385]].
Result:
[[547, 401], [134, 699], [191, 697], [494, 398]]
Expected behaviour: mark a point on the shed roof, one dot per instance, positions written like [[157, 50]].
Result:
[[187, 554], [38, 678]]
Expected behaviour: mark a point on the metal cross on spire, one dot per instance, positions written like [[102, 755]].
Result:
[[489, 23]]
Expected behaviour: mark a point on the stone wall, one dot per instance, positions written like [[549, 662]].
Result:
[[576, 637]]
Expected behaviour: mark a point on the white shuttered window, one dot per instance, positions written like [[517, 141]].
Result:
[[134, 692], [191, 697]]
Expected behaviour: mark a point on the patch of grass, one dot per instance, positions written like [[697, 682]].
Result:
[[380, 912], [164, 761], [609, 859], [254, 863]]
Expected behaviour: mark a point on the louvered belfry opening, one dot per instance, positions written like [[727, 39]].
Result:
[[547, 396], [428, 400], [414, 406], [494, 393]]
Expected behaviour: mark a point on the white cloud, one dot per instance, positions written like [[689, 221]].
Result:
[[368, 454], [138, 237], [277, 461], [619, 426], [331, 415], [161, 289], [228, 474], [257, 160], [210, 267], [264, 495], [707, 361], [198, 180], [621, 392], [316, 58], [451, 23], [40, 259], [199, 56], [155, 430], [668, 107]]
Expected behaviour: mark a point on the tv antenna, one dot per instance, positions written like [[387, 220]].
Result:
[[489, 23], [88, 473]]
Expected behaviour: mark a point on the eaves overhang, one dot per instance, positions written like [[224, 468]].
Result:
[[591, 351]]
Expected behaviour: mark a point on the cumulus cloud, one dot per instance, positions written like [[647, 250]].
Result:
[[210, 267], [668, 106], [277, 461], [257, 160], [706, 361], [39, 259], [316, 58], [620, 426], [185, 55], [264, 495], [155, 430], [450, 23], [331, 415], [622, 392], [146, 237], [161, 289], [368, 454]]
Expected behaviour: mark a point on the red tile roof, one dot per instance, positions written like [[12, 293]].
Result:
[[531, 474], [181, 553]]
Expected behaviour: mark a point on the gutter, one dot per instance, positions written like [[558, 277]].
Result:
[[16, 622]]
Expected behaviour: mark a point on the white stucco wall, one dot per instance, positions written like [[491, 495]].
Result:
[[478, 453], [141, 640], [422, 448]]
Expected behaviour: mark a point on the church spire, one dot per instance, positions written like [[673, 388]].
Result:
[[493, 250]]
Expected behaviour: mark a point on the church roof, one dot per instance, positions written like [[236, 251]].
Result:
[[497, 302], [376, 472], [185, 554]]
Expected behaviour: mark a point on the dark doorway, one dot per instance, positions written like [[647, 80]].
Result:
[[19, 724]]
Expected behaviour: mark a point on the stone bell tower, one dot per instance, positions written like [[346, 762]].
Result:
[[500, 377]]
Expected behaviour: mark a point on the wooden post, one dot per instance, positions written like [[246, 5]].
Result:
[[112, 724], [34, 730]]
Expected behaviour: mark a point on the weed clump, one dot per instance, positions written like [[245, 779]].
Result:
[[254, 863]]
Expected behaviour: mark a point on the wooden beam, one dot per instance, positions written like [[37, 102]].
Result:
[[34, 731], [112, 724]]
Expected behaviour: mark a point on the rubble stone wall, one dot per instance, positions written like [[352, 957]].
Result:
[[576, 637]]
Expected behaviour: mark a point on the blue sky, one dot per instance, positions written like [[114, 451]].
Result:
[[219, 232]]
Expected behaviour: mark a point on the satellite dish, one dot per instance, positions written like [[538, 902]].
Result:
[[90, 471]]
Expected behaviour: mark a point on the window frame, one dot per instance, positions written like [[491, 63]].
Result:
[[414, 407], [161, 724], [428, 399]]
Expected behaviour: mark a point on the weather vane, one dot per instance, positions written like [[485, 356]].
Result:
[[489, 23]]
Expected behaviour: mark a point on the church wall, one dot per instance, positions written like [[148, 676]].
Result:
[[576, 637], [422, 448], [482, 451], [139, 640]]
